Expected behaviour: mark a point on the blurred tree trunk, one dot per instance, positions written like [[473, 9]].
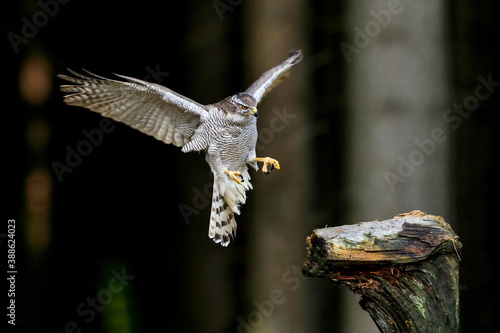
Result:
[[212, 297], [397, 93], [280, 200]]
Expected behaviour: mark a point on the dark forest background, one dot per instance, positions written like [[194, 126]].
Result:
[[394, 108]]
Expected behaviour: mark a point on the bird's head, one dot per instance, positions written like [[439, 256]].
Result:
[[244, 104]]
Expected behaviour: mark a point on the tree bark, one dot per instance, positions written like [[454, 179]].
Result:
[[405, 268], [397, 91]]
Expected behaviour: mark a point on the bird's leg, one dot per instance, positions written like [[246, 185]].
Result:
[[268, 161], [234, 175], [213, 158]]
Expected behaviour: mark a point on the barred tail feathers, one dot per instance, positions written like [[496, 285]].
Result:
[[227, 196]]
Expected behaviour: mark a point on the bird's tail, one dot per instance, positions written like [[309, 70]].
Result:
[[227, 196]]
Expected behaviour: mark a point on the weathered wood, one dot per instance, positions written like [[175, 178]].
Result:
[[405, 268]]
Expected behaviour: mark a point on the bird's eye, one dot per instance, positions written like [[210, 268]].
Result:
[[244, 107]]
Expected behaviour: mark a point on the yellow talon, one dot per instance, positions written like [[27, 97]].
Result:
[[234, 175], [268, 161]]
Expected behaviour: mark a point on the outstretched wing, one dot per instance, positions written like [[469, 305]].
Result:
[[274, 76], [148, 107]]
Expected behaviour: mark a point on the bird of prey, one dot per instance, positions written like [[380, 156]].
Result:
[[226, 130]]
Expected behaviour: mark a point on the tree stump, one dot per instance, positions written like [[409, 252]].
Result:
[[405, 268]]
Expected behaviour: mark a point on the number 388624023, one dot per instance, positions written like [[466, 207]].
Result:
[[11, 244]]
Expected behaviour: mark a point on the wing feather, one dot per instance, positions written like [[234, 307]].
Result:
[[148, 107], [273, 77]]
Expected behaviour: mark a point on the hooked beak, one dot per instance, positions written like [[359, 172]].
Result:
[[253, 112]]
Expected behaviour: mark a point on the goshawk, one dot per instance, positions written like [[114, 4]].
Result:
[[226, 130]]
